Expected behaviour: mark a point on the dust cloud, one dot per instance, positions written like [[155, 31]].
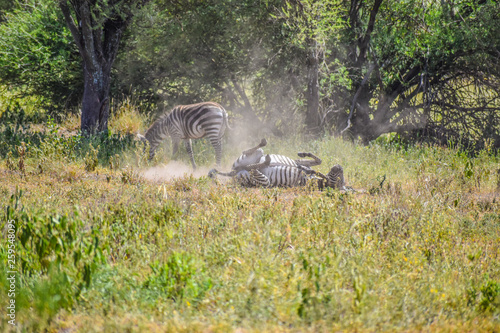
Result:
[[172, 170]]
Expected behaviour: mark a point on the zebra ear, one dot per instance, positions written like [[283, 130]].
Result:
[[142, 138]]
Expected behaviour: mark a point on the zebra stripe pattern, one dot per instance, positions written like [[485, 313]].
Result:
[[335, 178], [289, 176], [186, 122], [243, 161], [256, 155], [279, 176], [253, 168], [267, 174]]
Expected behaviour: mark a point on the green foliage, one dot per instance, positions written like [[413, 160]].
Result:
[[53, 144], [315, 297], [51, 294], [217, 50], [486, 297], [57, 242], [5, 5], [37, 56], [55, 258], [490, 297], [312, 21], [430, 67], [180, 278], [429, 70]]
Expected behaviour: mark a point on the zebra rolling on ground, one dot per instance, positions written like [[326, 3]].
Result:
[[266, 175], [253, 168], [186, 122]]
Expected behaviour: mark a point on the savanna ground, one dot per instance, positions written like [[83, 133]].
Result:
[[105, 246]]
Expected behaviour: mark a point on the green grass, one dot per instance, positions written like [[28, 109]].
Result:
[[100, 248]]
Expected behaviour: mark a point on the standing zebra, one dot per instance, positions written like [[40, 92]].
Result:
[[186, 122]]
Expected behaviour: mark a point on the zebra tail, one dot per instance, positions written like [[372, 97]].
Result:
[[226, 121]]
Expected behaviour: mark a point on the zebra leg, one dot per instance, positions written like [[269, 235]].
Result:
[[175, 147], [250, 151], [189, 149], [309, 171], [308, 163], [244, 178], [323, 180], [217, 144], [256, 166]]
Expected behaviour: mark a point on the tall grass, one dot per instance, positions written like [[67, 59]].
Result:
[[100, 248]]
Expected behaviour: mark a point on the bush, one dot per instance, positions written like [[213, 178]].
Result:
[[181, 277], [38, 55]]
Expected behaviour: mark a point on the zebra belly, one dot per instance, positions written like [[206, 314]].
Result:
[[277, 160]]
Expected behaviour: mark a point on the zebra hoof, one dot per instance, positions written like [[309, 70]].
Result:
[[212, 173]]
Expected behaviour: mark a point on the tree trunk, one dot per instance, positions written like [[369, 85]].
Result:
[[313, 119], [97, 29], [95, 106]]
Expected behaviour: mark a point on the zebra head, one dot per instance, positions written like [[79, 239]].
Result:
[[336, 177], [146, 142]]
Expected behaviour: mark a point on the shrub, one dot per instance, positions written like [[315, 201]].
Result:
[[181, 277]]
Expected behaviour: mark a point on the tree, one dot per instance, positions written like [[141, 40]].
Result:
[[411, 61], [254, 57], [314, 24], [97, 27], [5, 5], [362, 68], [37, 57], [185, 52]]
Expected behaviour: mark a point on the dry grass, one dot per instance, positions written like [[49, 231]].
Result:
[[417, 252]]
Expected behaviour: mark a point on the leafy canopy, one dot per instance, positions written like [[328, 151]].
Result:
[[37, 56]]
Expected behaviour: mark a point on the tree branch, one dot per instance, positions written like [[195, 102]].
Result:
[[365, 40], [71, 24], [87, 36], [356, 95]]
